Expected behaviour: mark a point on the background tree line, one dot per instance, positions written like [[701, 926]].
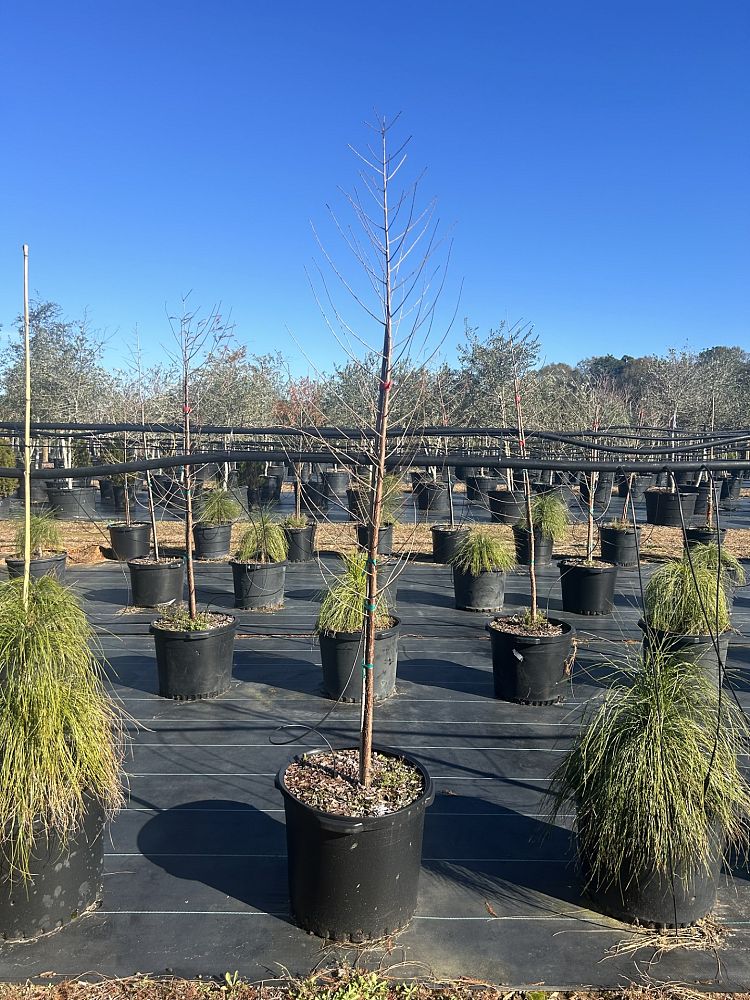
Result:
[[688, 389]]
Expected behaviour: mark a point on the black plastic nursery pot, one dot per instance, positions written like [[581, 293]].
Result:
[[38, 491], [258, 586], [107, 492], [154, 584], [542, 547], [603, 491], [313, 497], [66, 881], [335, 484], [301, 543], [434, 498], [118, 496], [354, 879], [212, 541], [53, 565], [194, 665], [531, 670], [341, 656], [130, 541], [385, 538], [72, 504], [730, 489], [445, 541], [620, 546], [506, 506], [698, 649], [587, 590], [704, 535], [477, 488], [701, 498], [640, 485], [658, 899], [485, 592], [358, 502], [663, 508]]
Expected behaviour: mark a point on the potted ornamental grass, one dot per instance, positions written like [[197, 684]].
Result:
[[354, 815], [686, 614], [588, 584], [48, 557], [259, 564], [620, 538], [659, 791], [391, 503], [479, 565], [339, 629], [712, 556], [300, 534], [549, 517], [212, 531], [194, 650]]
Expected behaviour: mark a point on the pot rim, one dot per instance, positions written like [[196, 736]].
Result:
[[382, 633], [257, 565], [194, 635], [536, 640], [353, 824], [692, 640], [54, 557], [566, 565], [161, 564]]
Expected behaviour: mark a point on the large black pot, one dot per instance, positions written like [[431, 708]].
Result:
[[341, 656], [130, 541], [67, 880], [640, 485], [730, 490], [698, 649], [258, 586], [38, 491], [543, 545], [620, 547], [193, 665], [477, 488], [335, 485], [603, 493], [301, 543], [385, 538], [704, 535], [701, 498], [531, 670], [359, 504], [654, 899], [78, 503], [434, 498], [354, 879], [587, 590], [485, 592], [107, 492], [118, 497], [663, 508], [46, 566], [445, 541], [313, 497], [154, 584], [506, 506], [212, 541]]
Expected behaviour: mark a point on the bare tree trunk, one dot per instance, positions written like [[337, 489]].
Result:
[[188, 480], [527, 493]]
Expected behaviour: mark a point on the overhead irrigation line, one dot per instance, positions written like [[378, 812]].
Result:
[[365, 459]]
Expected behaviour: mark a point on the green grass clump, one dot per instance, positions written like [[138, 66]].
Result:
[[549, 515], [60, 734], [342, 608], [293, 522], [483, 552], [263, 541], [45, 536], [673, 602], [637, 774], [707, 557], [218, 507]]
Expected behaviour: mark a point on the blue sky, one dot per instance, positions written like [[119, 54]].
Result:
[[590, 158]]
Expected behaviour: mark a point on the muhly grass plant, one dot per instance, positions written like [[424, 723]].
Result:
[[483, 552], [342, 608], [685, 600], [263, 541], [45, 536], [708, 557], [294, 522], [61, 737], [549, 515], [218, 507], [655, 775]]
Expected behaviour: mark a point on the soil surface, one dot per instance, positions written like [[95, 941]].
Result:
[[330, 782], [518, 625]]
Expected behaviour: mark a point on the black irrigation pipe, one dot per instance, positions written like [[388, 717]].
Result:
[[325, 457]]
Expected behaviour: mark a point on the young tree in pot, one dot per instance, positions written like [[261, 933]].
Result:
[[300, 537], [659, 792], [390, 507], [339, 628], [48, 557], [480, 563], [365, 797], [549, 516], [212, 532], [686, 614], [129, 539], [62, 743], [620, 538], [194, 652], [259, 565], [588, 585], [531, 654]]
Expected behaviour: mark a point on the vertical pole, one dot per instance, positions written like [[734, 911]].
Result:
[[26, 432]]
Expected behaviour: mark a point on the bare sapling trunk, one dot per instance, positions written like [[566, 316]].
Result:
[[506, 446], [593, 483], [188, 480], [125, 480], [26, 433], [533, 610]]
